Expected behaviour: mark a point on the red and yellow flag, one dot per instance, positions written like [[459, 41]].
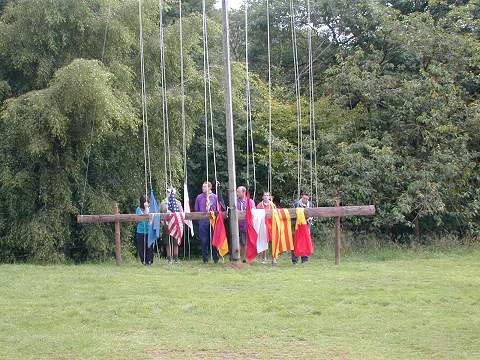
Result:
[[303, 239], [282, 239]]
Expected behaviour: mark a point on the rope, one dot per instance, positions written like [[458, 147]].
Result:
[[297, 95], [313, 137], [249, 126], [211, 108], [247, 94], [144, 107], [182, 87], [206, 83], [311, 95], [205, 86], [269, 186], [89, 149], [162, 80], [144, 110], [166, 135]]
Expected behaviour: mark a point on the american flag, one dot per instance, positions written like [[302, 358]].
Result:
[[177, 218]]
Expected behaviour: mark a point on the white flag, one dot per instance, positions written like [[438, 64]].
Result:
[[260, 227], [186, 207]]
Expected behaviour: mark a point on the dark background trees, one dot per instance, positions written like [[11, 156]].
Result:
[[397, 113]]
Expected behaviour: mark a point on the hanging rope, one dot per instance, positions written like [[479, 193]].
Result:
[[249, 126], [311, 95], [205, 85], [210, 107], [182, 89], [269, 186], [144, 99], [146, 145], [184, 142], [166, 133], [298, 100], [207, 106], [89, 148], [313, 138]]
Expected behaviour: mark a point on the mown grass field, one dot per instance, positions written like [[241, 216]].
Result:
[[411, 306]]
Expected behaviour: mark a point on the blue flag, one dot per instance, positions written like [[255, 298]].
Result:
[[153, 221]]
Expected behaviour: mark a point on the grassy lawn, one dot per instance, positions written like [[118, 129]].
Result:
[[407, 307]]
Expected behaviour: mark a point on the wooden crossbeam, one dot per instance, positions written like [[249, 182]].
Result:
[[337, 212], [340, 211]]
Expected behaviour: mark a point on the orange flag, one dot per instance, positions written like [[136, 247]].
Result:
[[219, 233], [282, 239]]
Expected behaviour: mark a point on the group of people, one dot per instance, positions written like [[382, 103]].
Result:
[[205, 202]]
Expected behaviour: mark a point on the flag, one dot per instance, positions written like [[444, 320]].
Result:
[[177, 218], [260, 228], [282, 239], [251, 234], [153, 221], [220, 234], [303, 239], [186, 207]]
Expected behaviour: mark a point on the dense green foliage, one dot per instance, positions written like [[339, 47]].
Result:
[[397, 113]]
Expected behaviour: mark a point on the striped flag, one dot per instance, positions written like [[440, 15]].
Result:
[[282, 239], [175, 225], [177, 218], [219, 234]]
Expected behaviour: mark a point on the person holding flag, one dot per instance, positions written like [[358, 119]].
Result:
[[302, 233], [242, 224], [145, 252], [266, 204], [220, 240], [206, 202], [173, 226]]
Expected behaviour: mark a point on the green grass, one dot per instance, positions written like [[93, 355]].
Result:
[[409, 306]]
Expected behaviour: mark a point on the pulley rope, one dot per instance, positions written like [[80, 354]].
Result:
[[184, 143], [269, 186], [313, 137], [144, 100], [205, 86], [89, 149], [311, 95], [249, 126], [166, 135], [146, 144], [298, 100]]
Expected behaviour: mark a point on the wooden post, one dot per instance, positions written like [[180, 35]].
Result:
[[338, 239], [118, 245], [232, 184]]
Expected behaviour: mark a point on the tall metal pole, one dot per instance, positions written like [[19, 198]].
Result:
[[232, 183]]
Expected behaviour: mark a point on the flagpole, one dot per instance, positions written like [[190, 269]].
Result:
[[232, 183]]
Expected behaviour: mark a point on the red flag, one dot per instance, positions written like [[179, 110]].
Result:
[[251, 233], [303, 239], [220, 234]]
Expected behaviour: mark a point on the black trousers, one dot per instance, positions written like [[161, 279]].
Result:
[[145, 252], [295, 258], [204, 235]]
